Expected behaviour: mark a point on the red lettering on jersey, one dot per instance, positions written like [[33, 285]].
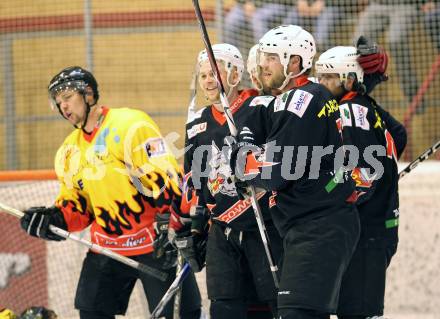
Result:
[[237, 209]]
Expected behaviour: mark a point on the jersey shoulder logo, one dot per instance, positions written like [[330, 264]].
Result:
[[360, 116], [299, 102], [344, 109], [262, 100], [197, 129], [280, 101], [155, 147]]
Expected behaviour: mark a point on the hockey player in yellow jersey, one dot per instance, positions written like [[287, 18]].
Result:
[[117, 176]]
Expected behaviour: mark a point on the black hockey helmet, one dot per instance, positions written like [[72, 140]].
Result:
[[38, 313], [74, 77]]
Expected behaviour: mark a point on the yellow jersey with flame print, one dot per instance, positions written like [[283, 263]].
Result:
[[116, 179]]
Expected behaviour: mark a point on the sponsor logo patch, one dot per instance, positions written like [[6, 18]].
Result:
[[280, 102], [261, 100], [196, 129], [329, 108], [299, 102], [360, 117], [155, 147], [139, 240], [344, 109]]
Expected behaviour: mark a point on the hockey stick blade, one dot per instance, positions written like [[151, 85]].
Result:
[[162, 276], [427, 153], [172, 290], [233, 130]]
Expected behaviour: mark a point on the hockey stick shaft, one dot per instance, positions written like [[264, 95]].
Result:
[[96, 248], [177, 298], [172, 290], [233, 130], [420, 159]]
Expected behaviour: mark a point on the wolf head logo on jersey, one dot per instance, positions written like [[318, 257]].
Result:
[[219, 180]]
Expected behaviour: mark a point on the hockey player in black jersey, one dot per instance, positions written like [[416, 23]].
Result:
[[366, 124], [312, 197], [236, 263]]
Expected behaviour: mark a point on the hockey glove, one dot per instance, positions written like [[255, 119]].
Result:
[[242, 158], [162, 248], [374, 62], [193, 249], [199, 219], [179, 222], [36, 222]]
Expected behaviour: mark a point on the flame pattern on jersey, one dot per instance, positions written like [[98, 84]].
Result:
[[116, 180]]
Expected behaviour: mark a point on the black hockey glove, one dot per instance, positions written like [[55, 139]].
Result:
[[36, 221], [374, 61], [193, 249], [199, 219], [192, 246], [238, 161], [163, 250]]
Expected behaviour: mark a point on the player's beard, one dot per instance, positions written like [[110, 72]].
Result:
[[274, 82]]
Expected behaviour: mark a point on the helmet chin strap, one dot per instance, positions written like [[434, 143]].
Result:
[[289, 77], [88, 108]]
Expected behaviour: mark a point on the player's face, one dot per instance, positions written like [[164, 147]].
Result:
[[272, 71], [208, 83], [72, 106], [332, 82]]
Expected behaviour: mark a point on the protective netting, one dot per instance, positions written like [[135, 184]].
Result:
[[143, 53], [35, 272]]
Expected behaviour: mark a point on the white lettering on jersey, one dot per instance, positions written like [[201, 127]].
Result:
[[344, 109], [360, 116], [262, 100], [299, 102], [196, 129]]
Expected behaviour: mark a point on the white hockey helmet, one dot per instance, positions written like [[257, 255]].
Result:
[[288, 40], [340, 60], [252, 63], [227, 53]]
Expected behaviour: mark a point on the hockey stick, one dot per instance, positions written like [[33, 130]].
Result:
[[96, 248], [233, 130], [177, 298], [420, 159], [174, 287]]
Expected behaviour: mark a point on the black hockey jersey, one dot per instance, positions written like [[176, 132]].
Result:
[[366, 124], [206, 166], [301, 138]]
